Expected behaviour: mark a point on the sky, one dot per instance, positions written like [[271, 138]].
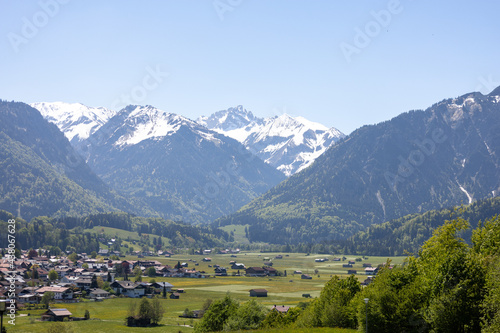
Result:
[[344, 64]]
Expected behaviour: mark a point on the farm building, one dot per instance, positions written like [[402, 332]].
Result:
[[258, 293], [56, 315]]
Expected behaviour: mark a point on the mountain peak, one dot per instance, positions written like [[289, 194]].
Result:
[[76, 120], [288, 143], [495, 92]]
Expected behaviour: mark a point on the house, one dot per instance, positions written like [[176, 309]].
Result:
[[347, 265], [255, 271], [220, 271], [29, 299], [206, 259], [297, 272], [271, 271], [258, 293], [367, 281], [366, 264], [305, 277], [98, 293], [237, 266], [175, 296], [56, 315], [129, 289], [280, 308], [352, 271], [371, 270], [60, 293], [158, 286]]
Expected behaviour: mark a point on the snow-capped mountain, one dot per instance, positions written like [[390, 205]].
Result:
[[180, 168], [290, 144], [75, 120]]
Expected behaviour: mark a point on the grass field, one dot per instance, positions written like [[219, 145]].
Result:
[[109, 315]]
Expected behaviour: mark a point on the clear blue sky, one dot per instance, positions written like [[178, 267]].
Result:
[[270, 56]]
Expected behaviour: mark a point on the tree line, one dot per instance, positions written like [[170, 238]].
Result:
[[450, 286]]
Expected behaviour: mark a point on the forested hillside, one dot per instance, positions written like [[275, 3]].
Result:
[[43, 175], [68, 234], [418, 161]]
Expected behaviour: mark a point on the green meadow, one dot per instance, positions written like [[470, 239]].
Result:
[[109, 315]]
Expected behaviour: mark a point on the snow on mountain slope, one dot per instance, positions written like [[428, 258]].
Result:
[[290, 144], [181, 169], [75, 120], [137, 123]]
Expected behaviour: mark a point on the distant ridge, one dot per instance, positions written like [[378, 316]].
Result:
[[418, 161], [290, 144]]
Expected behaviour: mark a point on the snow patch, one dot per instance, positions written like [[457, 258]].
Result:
[[466, 193]]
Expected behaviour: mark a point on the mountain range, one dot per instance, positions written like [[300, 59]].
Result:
[[75, 120], [181, 169], [415, 162], [290, 144], [42, 174]]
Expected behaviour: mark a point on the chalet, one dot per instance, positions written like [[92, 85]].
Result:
[[268, 263], [159, 286], [258, 293], [83, 282], [29, 299], [206, 259], [367, 281], [352, 271], [237, 266], [56, 315], [60, 293], [280, 308], [98, 293], [63, 271], [297, 272], [271, 271], [148, 263], [371, 270], [175, 296], [366, 264], [129, 289], [192, 273], [255, 271], [305, 277], [220, 271]]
